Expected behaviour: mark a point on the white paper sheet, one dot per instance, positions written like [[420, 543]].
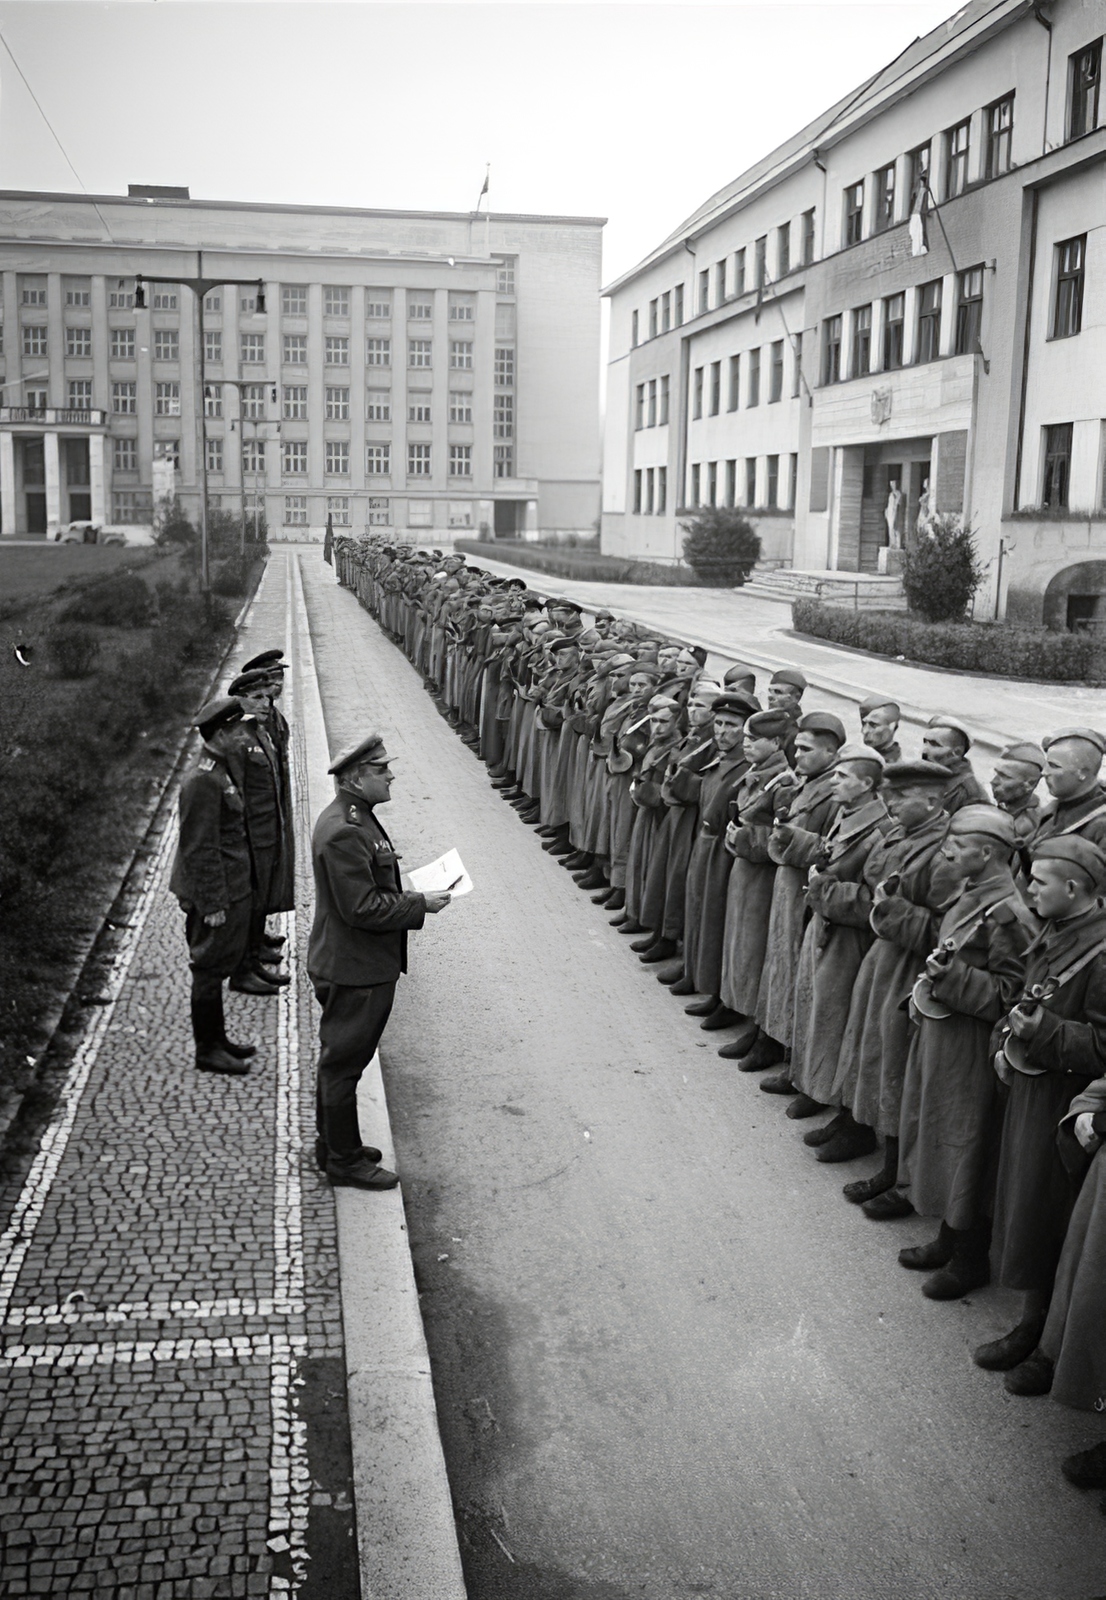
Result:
[[447, 873]]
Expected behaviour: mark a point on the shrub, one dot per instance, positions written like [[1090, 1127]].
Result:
[[940, 572], [232, 577], [721, 546], [72, 649], [121, 601], [995, 647]]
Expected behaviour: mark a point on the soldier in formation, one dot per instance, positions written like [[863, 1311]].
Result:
[[871, 930]]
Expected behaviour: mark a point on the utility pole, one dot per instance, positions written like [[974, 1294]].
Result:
[[200, 287]]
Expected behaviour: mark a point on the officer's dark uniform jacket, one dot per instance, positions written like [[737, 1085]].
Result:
[[212, 866], [362, 915]]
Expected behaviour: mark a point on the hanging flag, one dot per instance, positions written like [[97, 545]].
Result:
[[484, 190], [919, 244]]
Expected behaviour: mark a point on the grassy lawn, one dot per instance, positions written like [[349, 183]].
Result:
[[27, 570]]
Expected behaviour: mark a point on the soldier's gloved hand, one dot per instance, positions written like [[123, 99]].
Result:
[[437, 900], [1084, 1132], [1024, 1024], [215, 919]]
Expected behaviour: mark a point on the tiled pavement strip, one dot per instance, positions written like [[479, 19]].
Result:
[[169, 1291]]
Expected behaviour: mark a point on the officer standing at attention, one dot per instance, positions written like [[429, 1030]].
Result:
[[358, 949], [211, 879]]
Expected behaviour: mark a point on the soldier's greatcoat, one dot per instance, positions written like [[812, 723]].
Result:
[[708, 873], [749, 891], [834, 944], [666, 883], [1074, 1336], [809, 816]]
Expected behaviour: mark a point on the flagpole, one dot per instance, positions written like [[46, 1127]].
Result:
[[488, 211]]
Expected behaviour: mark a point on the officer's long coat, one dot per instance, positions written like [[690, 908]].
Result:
[[1073, 1336], [947, 1129], [666, 885], [810, 814], [874, 1048], [211, 869], [362, 914], [834, 944], [1035, 1190], [650, 819], [283, 897], [708, 874]]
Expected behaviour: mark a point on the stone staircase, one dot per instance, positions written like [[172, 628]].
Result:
[[867, 591]]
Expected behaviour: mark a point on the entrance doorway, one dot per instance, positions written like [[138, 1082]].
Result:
[[32, 465], [900, 469], [509, 518]]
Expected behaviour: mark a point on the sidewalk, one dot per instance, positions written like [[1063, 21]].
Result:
[[173, 1281], [748, 628]]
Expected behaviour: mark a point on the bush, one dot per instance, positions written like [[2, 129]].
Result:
[[588, 565], [72, 649], [995, 647], [940, 573], [721, 546], [121, 601], [232, 577]]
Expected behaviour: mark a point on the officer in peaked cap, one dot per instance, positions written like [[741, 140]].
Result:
[[879, 725], [357, 951], [268, 660], [255, 765], [211, 879]]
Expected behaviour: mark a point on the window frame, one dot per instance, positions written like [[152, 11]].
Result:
[[999, 157], [293, 451], [335, 452], [833, 333], [894, 332], [1069, 284], [927, 336], [752, 381], [336, 402], [860, 341], [969, 311], [957, 158], [251, 349], [378, 458], [1086, 95], [1056, 463], [885, 197], [853, 216]]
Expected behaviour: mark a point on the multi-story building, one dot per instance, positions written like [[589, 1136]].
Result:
[[900, 311], [412, 371]]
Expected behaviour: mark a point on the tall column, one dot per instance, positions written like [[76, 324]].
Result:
[[97, 475], [53, 483], [7, 483]]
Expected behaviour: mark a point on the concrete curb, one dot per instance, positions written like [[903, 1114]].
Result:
[[405, 1527]]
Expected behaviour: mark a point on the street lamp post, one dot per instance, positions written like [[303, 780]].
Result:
[[200, 286], [239, 384]]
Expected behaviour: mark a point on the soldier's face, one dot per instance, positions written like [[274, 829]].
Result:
[[661, 723], [850, 785], [782, 696], [1054, 889], [1012, 782], [686, 669], [911, 805], [943, 745], [255, 704], [372, 780], [879, 727], [1072, 763], [699, 713], [728, 731], [640, 683], [758, 750], [813, 755], [969, 854], [620, 682]]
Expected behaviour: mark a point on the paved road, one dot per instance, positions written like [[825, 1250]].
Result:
[[669, 1358], [737, 625]]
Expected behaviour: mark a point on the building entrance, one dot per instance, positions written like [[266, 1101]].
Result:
[[509, 518], [895, 477]]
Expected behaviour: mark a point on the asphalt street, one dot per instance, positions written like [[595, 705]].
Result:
[[669, 1358]]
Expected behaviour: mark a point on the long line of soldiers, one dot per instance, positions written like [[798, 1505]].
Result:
[[878, 935]]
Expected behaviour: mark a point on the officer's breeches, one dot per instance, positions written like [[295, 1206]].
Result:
[[350, 1029]]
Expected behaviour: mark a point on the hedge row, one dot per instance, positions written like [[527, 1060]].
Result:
[[996, 647], [589, 565]]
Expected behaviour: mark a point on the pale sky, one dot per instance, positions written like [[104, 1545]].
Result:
[[635, 112]]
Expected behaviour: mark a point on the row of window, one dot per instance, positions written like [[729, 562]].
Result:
[[738, 483], [336, 404], [293, 297], [137, 505]]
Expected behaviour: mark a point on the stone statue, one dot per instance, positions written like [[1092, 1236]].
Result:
[[891, 516], [925, 510]]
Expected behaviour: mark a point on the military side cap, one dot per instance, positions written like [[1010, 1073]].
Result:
[[218, 711], [1075, 850], [270, 660], [645, 669], [1028, 755], [247, 681], [768, 724], [904, 774], [737, 703], [823, 722], [987, 820], [661, 702], [739, 672], [370, 748], [790, 675], [941, 721], [622, 659], [860, 752], [878, 702], [564, 605], [688, 657], [562, 643], [1091, 735]]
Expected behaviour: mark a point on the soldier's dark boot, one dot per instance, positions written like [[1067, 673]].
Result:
[[359, 1173], [765, 1053], [684, 985], [804, 1106], [616, 900], [1000, 1355], [937, 1253], [851, 1140], [243, 1051], [721, 1017], [824, 1134], [867, 1188], [968, 1268], [703, 1008], [888, 1206], [659, 950], [1087, 1469], [740, 1046], [213, 1058]]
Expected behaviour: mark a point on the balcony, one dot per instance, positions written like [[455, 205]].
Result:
[[52, 417]]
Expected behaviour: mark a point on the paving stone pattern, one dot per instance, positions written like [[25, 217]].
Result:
[[168, 1270]]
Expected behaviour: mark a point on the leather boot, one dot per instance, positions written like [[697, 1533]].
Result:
[[777, 1082], [765, 1053], [671, 972], [1034, 1376], [213, 1058], [999, 1355], [803, 1106], [968, 1268], [1086, 1469], [616, 900], [682, 986], [593, 879], [827, 1131], [888, 1207], [630, 925], [850, 1141], [253, 983], [604, 898], [243, 1052], [644, 944], [937, 1253], [739, 1046], [659, 950], [703, 1008], [576, 861], [721, 1017]]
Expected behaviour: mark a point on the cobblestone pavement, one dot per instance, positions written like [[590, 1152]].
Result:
[[669, 1359], [174, 1425]]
